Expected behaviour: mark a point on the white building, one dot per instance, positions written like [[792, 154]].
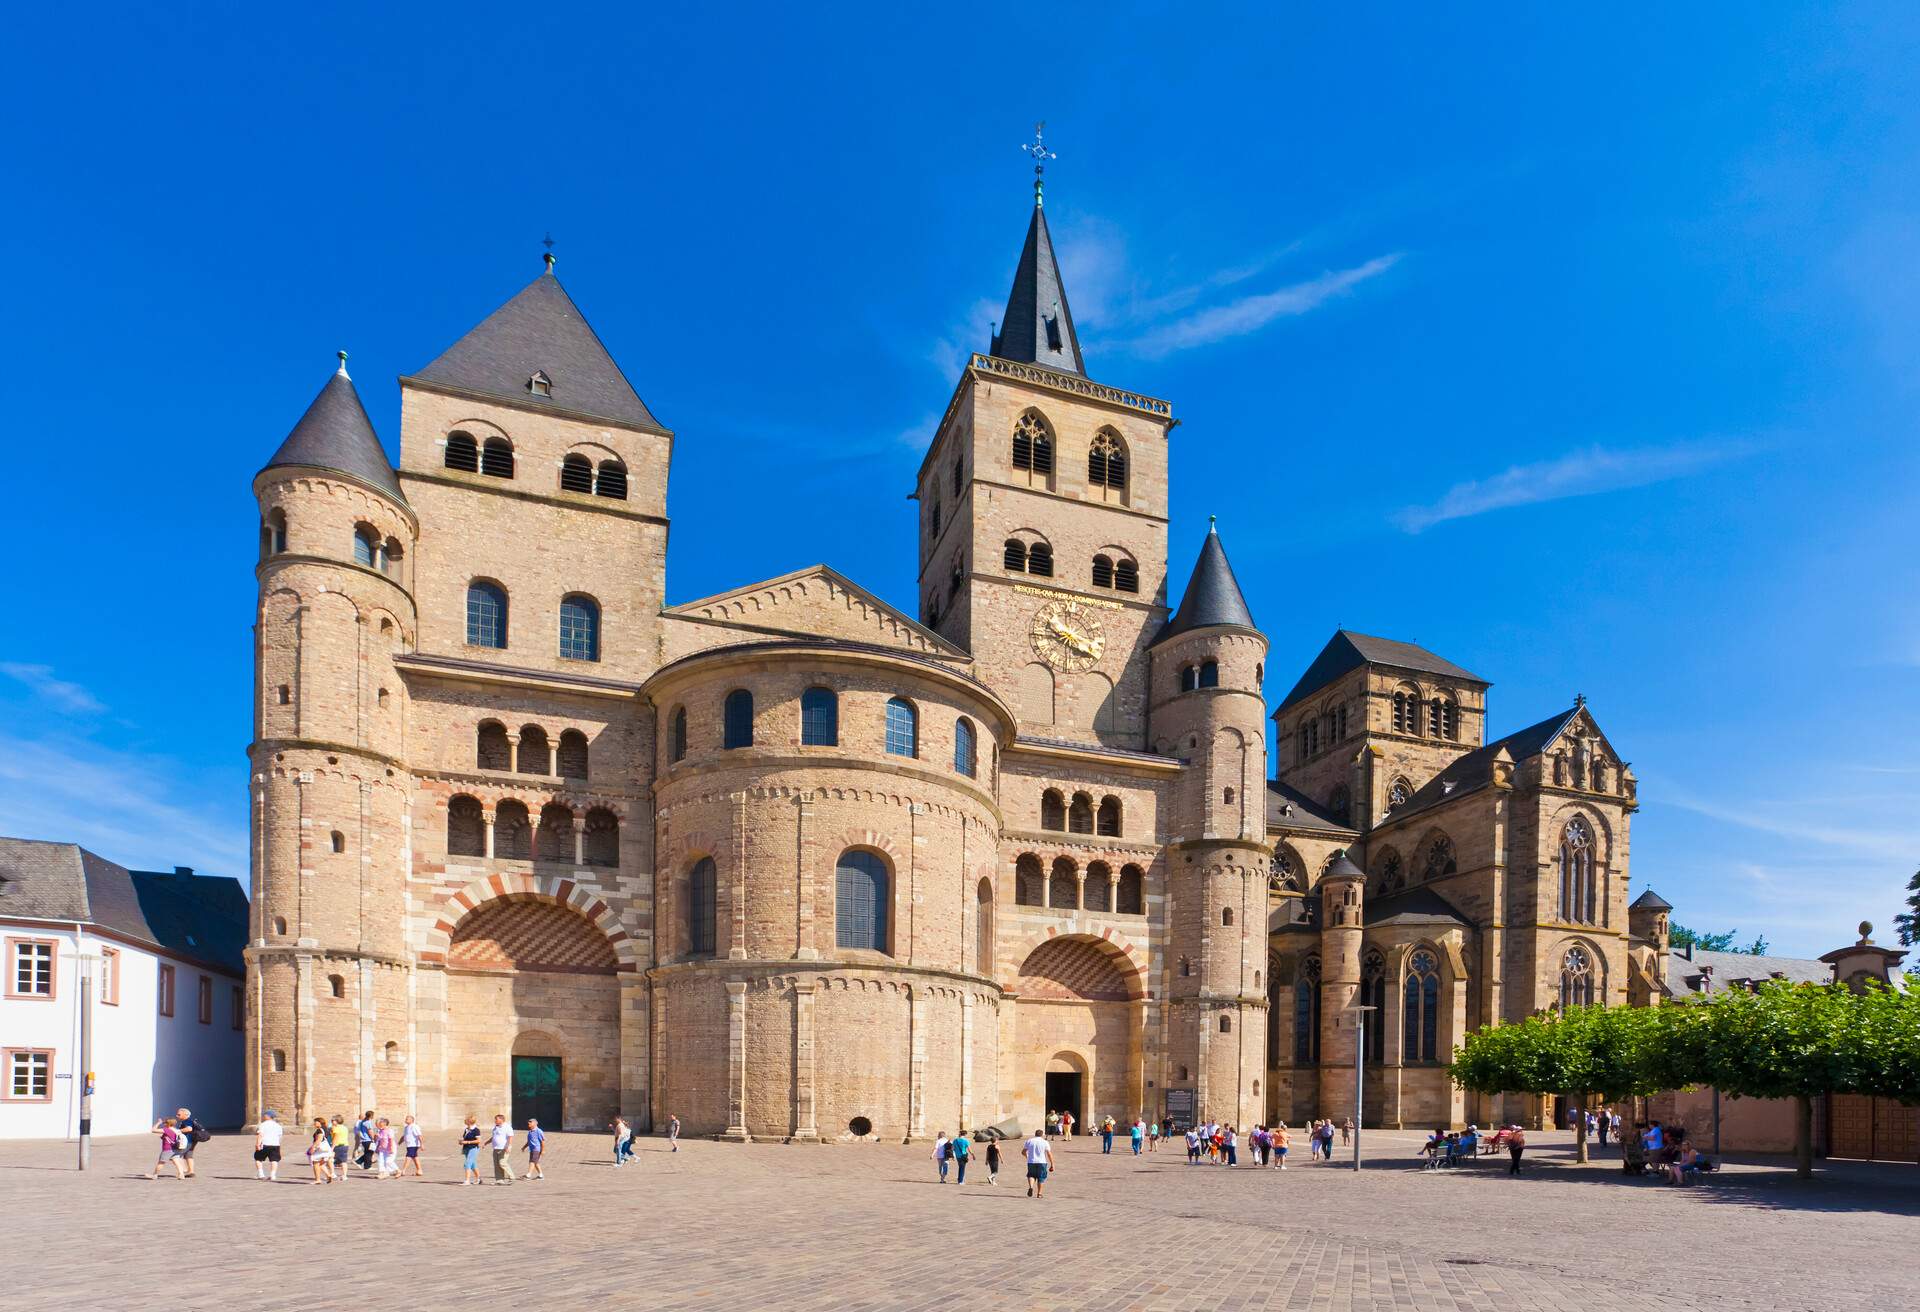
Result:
[[164, 952]]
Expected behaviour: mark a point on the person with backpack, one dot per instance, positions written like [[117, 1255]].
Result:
[[941, 1152], [170, 1140], [960, 1148], [993, 1161], [192, 1134]]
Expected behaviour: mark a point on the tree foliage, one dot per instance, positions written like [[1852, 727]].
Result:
[[1907, 923], [1682, 937]]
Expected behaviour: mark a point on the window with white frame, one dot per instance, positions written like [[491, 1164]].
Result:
[[110, 976], [30, 967]]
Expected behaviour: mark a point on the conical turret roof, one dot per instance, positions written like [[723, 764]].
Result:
[[1213, 595], [1038, 326], [1650, 901], [336, 434], [542, 332], [1343, 868]]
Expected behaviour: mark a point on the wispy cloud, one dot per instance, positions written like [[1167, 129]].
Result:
[[70, 697], [1582, 473], [971, 332], [1250, 314], [1883, 844]]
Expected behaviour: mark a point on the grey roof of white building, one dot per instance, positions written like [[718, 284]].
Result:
[[1685, 976]]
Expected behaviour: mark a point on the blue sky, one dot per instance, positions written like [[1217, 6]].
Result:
[[1580, 351]]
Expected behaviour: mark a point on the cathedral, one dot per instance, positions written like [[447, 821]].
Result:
[[789, 862]]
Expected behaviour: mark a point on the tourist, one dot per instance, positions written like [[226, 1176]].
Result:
[[1106, 1136], [1137, 1133], [940, 1153], [993, 1161], [1346, 1132], [536, 1144], [1193, 1146], [1257, 1145], [1601, 1124], [1655, 1140], [383, 1148], [410, 1143], [622, 1141], [1516, 1145], [1282, 1140], [266, 1148], [501, 1141], [470, 1151], [363, 1135], [1053, 1124], [960, 1148], [1066, 1124], [169, 1149], [192, 1134], [320, 1151], [1153, 1136], [1614, 1121], [1230, 1144], [673, 1133], [1039, 1158], [342, 1138]]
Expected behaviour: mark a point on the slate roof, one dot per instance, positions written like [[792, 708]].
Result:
[[1347, 651], [1474, 771], [1289, 808], [198, 917], [1415, 906], [1650, 901], [1212, 594], [336, 434], [1038, 327], [541, 329], [1685, 978]]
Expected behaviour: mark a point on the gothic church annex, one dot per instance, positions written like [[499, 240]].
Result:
[[790, 863]]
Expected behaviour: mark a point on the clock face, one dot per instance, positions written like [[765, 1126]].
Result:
[[1067, 635]]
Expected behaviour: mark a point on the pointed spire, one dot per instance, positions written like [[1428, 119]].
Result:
[[335, 434], [1038, 327], [1213, 595]]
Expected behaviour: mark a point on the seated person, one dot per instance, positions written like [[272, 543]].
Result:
[[1685, 1159], [1470, 1142]]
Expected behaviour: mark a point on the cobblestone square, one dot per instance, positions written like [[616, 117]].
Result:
[[867, 1227]]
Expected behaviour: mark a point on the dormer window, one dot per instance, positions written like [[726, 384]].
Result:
[[539, 384]]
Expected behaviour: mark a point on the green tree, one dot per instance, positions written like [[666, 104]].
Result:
[[1907, 923], [1889, 1042], [1682, 937]]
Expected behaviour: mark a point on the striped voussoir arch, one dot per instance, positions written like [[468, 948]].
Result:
[[1087, 967], [523, 888]]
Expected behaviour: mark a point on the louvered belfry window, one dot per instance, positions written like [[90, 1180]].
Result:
[[612, 481], [1106, 461], [576, 474], [1102, 572], [1040, 560], [463, 452], [1126, 576]]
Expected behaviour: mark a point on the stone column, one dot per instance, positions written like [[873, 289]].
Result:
[[553, 758], [1113, 889], [1046, 886], [513, 751], [917, 1063], [803, 947], [737, 882], [636, 1076], [966, 1059], [736, 1130], [579, 840], [1080, 889], [805, 1130], [486, 818], [303, 1054], [1137, 1059], [656, 1112]]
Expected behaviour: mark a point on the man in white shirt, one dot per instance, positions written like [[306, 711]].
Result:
[[1039, 1159], [266, 1148], [502, 1144]]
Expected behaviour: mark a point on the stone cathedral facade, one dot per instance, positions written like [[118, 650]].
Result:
[[789, 862]]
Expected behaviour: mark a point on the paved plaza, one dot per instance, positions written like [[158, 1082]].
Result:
[[856, 1227]]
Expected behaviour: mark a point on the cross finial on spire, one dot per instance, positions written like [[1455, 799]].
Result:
[[1038, 149], [547, 241], [1579, 699]]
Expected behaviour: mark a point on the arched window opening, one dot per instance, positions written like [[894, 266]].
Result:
[[1577, 896], [933, 519], [1393, 875], [366, 547], [1033, 447], [279, 924], [1063, 884], [1576, 979], [1040, 560], [1029, 882], [1015, 557], [956, 476], [737, 720], [573, 754], [512, 831], [1107, 462], [1450, 721], [339, 841], [273, 537], [1421, 1004], [1226, 916], [1053, 810], [601, 842], [576, 474], [1402, 718], [1126, 576], [983, 919], [1103, 571], [579, 628], [486, 615], [463, 453], [1080, 814], [496, 458], [610, 481], [819, 718], [1099, 886], [1108, 822], [861, 901], [1440, 859], [903, 728], [1306, 1014], [1283, 872], [337, 985], [553, 840], [1132, 898], [466, 828], [1436, 717], [1186, 968], [279, 1061], [703, 907], [677, 736], [535, 754], [966, 751], [1340, 805], [1226, 1024], [1209, 674], [1189, 678], [1373, 993]]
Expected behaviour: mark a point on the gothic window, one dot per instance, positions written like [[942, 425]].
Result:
[[496, 458], [1420, 1030], [1099, 886], [983, 915], [1107, 823], [1033, 446], [1189, 678], [366, 547], [933, 519], [1107, 462], [1102, 571], [1040, 560], [512, 831], [703, 907], [1373, 993], [1577, 892], [1450, 721], [1392, 875], [1340, 805], [533, 750], [579, 628], [956, 476], [1436, 716], [1132, 897], [1306, 1014], [966, 759], [1284, 874], [956, 576], [1029, 882], [737, 720], [1015, 557], [861, 901], [573, 754], [1440, 860], [493, 751], [933, 610], [576, 474], [486, 615], [677, 736], [1063, 884], [1400, 712], [611, 481], [602, 841], [1209, 674], [1399, 793], [1340, 718], [1080, 814], [463, 453], [1053, 810], [819, 718], [903, 728], [1126, 576], [1576, 979]]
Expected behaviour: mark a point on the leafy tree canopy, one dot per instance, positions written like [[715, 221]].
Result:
[[1682, 937]]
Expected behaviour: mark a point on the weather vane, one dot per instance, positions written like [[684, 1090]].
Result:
[[1038, 149]]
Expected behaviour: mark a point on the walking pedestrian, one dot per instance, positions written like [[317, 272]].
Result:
[[673, 1132], [1346, 1132], [383, 1148], [501, 1141], [1603, 1123], [1193, 1146], [363, 1135], [1153, 1136], [192, 1134], [1137, 1134], [169, 1149], [1230, 1138], [1106, 1136], [1282, 1140], [470, 1151], [993, 1161], [960, 1148], [410, 1144], [1039, 1161], [1516, 1144], [622, 1141], [1053, 1124], [342, 1137], [1066, 1124], [266, 1148], [320, 1151], [536, 1145], [940, 1153]]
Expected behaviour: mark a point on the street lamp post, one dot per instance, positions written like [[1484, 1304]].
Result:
[[1359, 1080], [85, 1073]]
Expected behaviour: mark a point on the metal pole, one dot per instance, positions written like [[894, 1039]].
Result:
[[1359, 1085], [85, 1073]]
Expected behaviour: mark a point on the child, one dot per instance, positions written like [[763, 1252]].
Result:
[[383, 1148], [169, 1149]]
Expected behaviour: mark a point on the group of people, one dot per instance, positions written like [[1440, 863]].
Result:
[[1668, 1150], [953, 1154], [623, 1138], [1600, 1123], [1446, 1147]]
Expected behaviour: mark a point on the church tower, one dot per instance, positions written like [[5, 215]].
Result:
[[1207, 667], [1043, 520], [326, 976]]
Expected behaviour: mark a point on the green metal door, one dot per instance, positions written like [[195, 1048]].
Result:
[[536, 1092]]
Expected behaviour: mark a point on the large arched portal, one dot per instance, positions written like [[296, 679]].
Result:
[[1077, 1030], [533, 1016]]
